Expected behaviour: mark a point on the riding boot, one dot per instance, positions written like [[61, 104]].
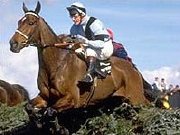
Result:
[[90, 75]]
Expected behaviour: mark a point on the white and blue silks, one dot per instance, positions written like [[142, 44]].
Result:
[[101, 49]]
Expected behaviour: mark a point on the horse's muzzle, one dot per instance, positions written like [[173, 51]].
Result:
[[14, 47]]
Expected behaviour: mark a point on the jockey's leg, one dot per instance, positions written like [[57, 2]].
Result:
[[92, 56], [89, 77], [80, 53]]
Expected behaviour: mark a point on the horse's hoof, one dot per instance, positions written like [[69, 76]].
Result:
[[29, 108], [39, 125], [51, 112], [62, 131]]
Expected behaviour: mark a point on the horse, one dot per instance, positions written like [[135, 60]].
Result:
[[12, 94], [60, 69]]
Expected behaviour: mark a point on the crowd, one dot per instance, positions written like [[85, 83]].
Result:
[[161, 85]]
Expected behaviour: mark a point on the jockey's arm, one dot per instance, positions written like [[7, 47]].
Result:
[[99, 31]]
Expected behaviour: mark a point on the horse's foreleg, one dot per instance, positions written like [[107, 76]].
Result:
[[43, 83], [76, 96], [39, 102]]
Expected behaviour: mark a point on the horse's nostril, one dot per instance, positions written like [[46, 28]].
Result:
[[13, 46], [11, 42]]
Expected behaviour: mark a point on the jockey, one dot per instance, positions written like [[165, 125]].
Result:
[[94, 36]]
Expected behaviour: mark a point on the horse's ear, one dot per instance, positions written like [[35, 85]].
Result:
[[25, 9], [38, 7]]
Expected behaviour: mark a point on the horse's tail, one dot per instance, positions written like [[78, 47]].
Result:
[[146, 85], [155, 96], [148, 91], [22, 91]]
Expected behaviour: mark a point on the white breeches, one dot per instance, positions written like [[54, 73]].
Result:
[[101, 54]]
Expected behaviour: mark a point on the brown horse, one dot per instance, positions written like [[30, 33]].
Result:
[[60, 70], [12, 94]]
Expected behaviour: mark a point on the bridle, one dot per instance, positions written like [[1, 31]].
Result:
[[24, 35], [60, 45]]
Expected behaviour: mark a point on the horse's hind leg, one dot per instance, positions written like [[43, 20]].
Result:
[[132, 89], [63, 103], [135, 92], [70, 100], [119, 92], [76, 96]]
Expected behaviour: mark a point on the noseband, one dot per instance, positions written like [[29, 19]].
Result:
[[22, 34]]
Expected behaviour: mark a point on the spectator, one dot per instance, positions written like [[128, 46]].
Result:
[[171, 87], [156, 84], [176, 87], [163, 85]]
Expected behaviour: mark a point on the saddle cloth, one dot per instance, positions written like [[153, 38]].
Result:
[[103, 68]]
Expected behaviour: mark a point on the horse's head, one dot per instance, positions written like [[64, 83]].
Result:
[[27, 31]]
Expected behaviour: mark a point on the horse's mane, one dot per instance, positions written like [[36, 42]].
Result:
[[48, 26]]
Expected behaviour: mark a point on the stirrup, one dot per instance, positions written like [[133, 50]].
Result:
[[99, 72], [88, 78]]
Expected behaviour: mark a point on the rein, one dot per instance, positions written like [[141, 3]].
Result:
[[60, 45], [66, 45]]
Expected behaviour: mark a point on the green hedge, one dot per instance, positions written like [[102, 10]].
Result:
[[12, 117], [134, 121], [123, 120]]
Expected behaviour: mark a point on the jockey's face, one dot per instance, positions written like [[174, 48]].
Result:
[[76, 19]]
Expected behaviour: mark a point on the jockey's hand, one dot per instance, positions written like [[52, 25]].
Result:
[[68, 39], [82, 40]]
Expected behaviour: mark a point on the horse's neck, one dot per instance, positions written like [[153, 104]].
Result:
[[47, 35], [52, 58], [47, 55]]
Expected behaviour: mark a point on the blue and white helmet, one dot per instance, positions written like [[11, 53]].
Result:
[[75, 8]]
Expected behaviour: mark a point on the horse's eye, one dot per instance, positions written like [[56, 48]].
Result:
[[31, 23]]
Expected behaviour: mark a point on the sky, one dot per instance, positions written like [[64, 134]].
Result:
[[148, 29]]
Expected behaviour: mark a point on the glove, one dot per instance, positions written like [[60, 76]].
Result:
[[82, 39]]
